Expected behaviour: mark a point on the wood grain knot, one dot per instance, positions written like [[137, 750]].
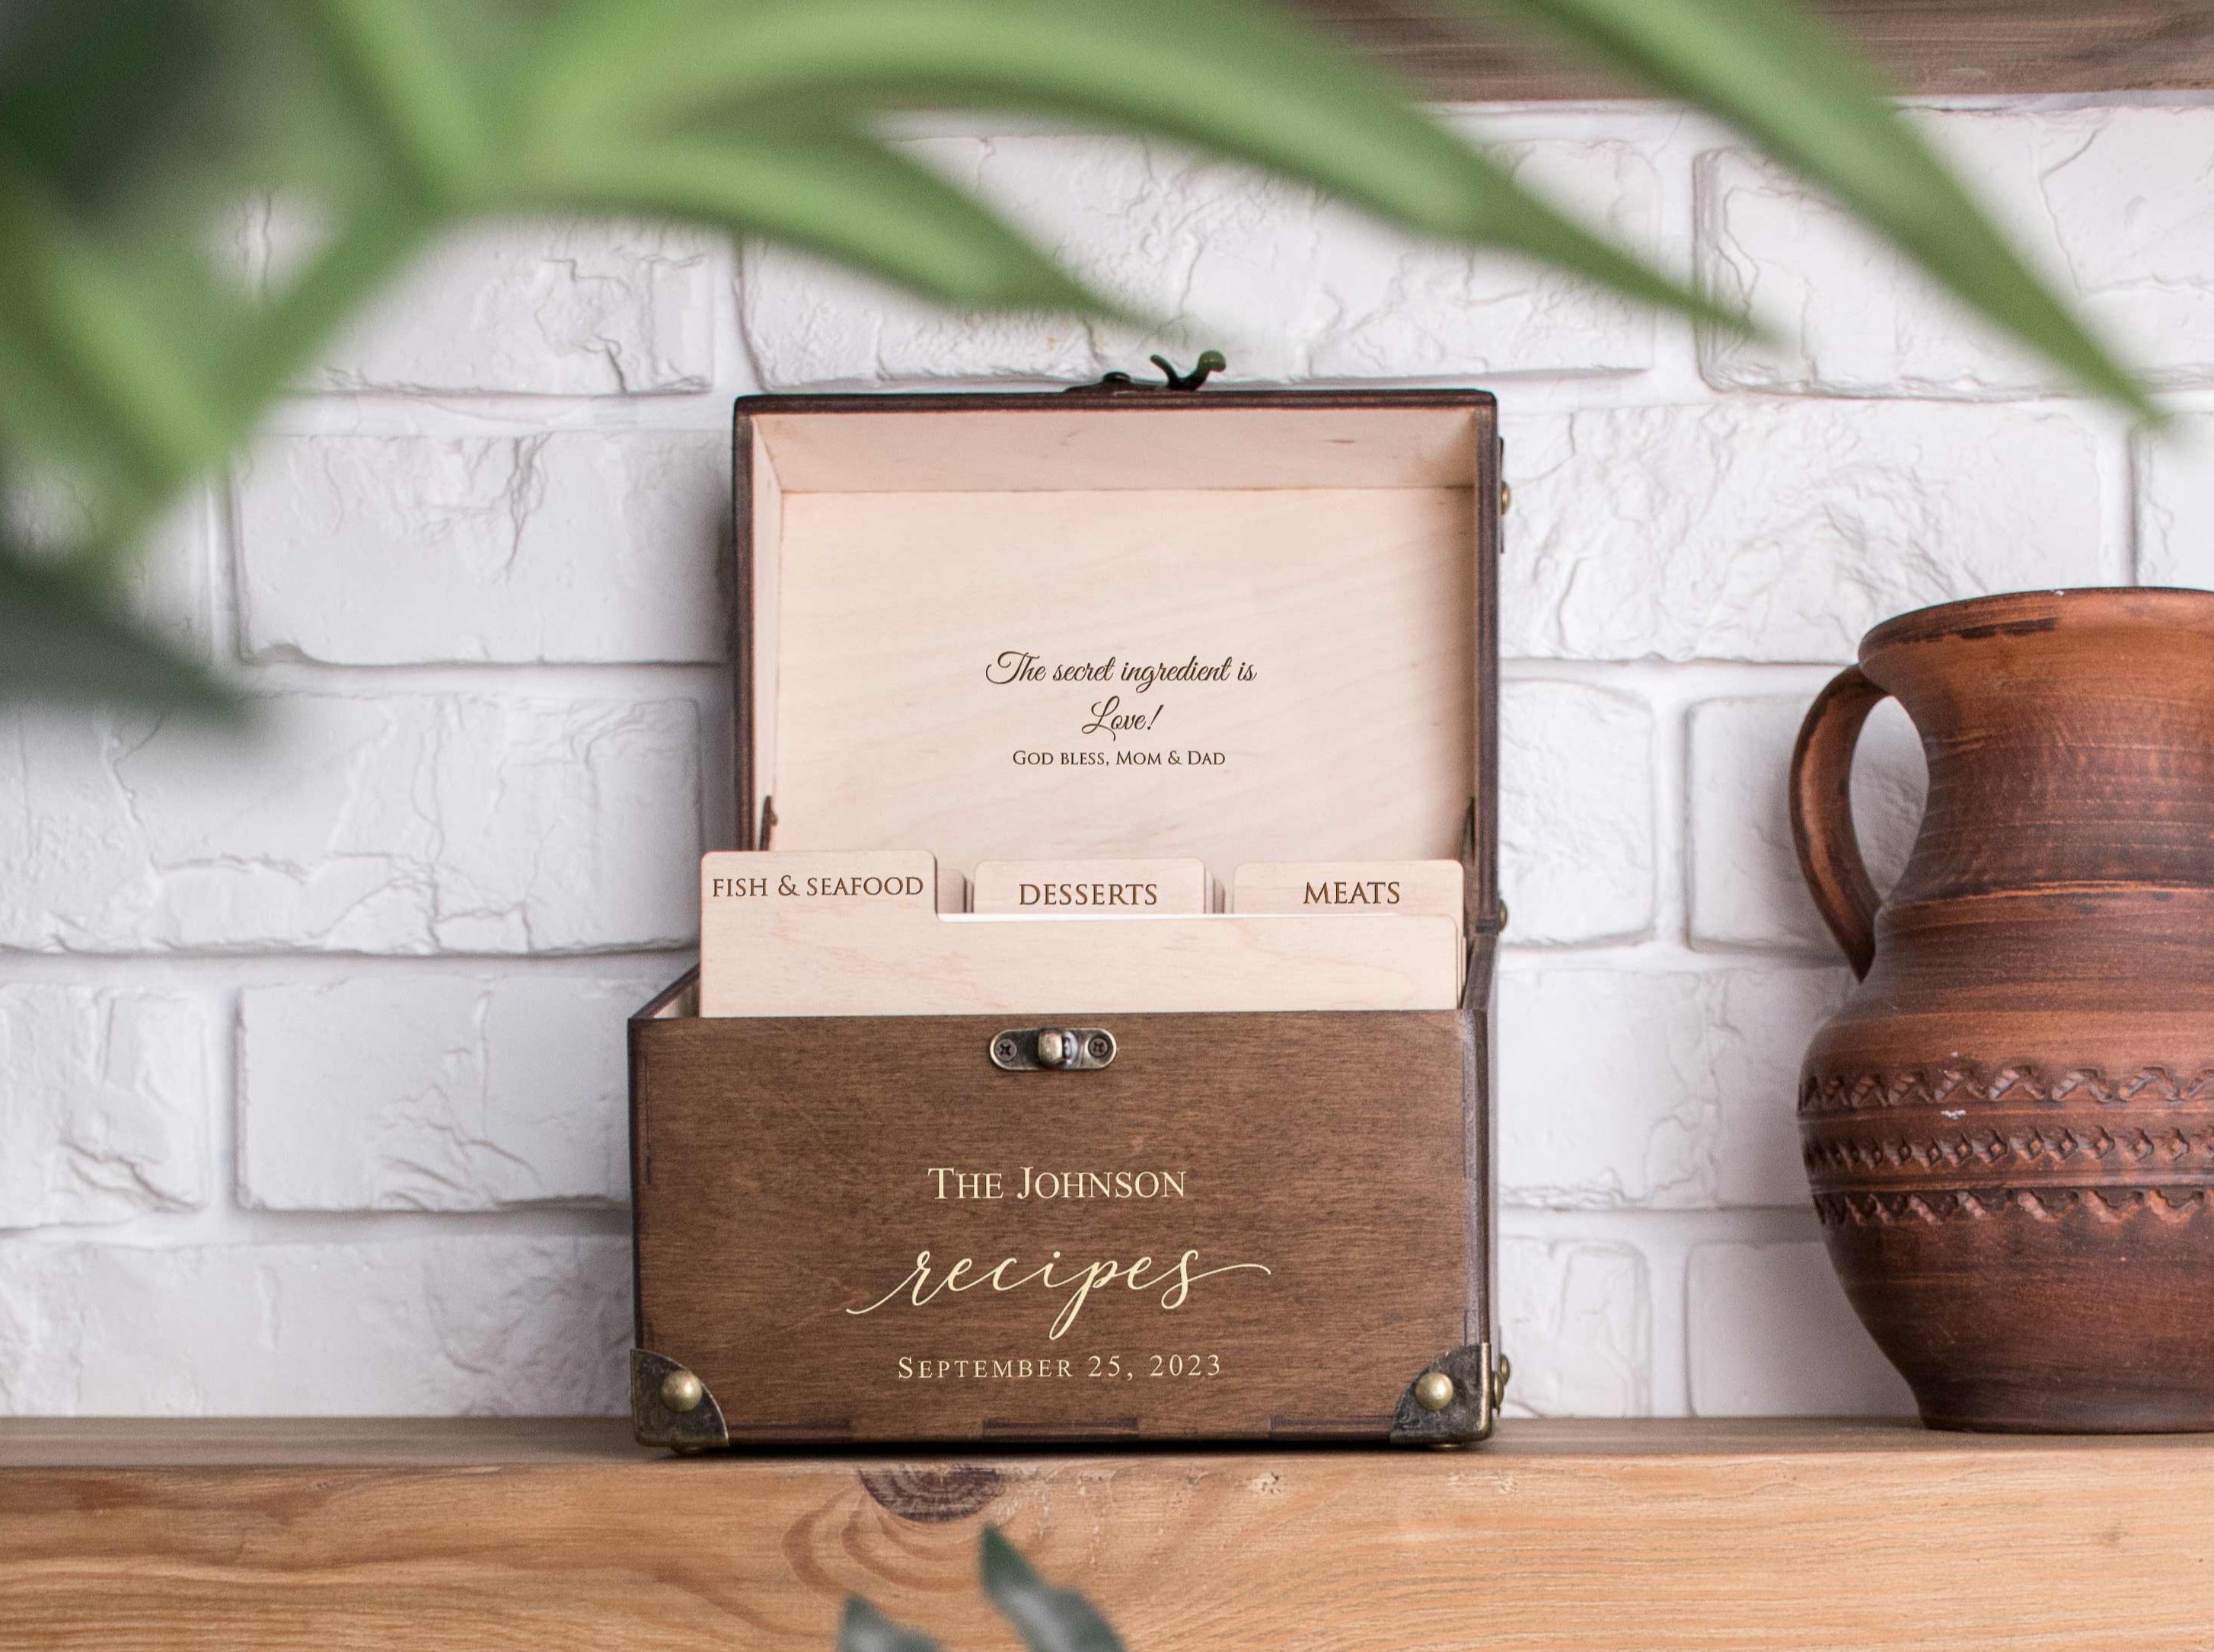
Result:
[[934, 1495]]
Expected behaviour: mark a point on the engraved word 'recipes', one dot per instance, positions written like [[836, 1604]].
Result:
[[925, 1284]]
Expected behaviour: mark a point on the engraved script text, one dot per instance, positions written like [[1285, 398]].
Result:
[[924, 1284]]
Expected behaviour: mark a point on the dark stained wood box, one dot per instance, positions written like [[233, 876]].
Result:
[[1332, 1169]]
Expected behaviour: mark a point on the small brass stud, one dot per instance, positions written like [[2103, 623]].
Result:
[[1506, 499], [1434, 1391], [682, 1392], [1053, 1048]]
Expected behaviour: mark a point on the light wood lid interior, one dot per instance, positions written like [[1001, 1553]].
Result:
[[900, 557]]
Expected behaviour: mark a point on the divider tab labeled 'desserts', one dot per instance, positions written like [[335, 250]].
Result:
[[1091, 889]]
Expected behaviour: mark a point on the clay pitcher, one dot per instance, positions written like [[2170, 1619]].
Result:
[[2009, 1126]]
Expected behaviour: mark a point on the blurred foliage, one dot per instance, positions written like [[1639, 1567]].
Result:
[[136, 353], [1048, 1619]]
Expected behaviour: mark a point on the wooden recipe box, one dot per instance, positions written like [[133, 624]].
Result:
[[1323, 1176]]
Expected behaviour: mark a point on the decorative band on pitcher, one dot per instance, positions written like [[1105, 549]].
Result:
[[2020, 1082], [2104, 1206]]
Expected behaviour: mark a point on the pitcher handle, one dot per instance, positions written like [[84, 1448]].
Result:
[[1822, 813]]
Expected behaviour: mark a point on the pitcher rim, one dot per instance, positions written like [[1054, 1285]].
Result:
[[2027, 611]]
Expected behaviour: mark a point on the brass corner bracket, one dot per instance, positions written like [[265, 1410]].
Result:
[[1454, 1400], [671, 1406]]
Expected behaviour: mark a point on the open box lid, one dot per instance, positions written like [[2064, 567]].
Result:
[[1233, 625]]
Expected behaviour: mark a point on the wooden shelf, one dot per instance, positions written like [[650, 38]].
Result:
[[1930, 48], [1763, 1536]]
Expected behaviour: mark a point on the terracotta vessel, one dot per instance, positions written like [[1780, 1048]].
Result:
[[2009, 1126]]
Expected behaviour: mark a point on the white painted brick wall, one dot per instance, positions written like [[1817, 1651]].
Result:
[[359, 822], [569, 545], [436, 1091], [1759, 530], [1746, 890], [2175, 504], [1581, 1311], [1291, 287], [1575, 839], [2112, 204], [419, 1327], [313, 1052], [1653, 1088], [571, 309], [108, 1098], [1772, 1334]]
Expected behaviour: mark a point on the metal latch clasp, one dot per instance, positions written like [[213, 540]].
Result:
[[1061, 1050]]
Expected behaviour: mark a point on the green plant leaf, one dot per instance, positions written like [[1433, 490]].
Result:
[[1236, 80], [60, 641], [1049, 1619], [370, 246], [1787, 78], [127, 368], [97, 368], [862, 1628], [832, 193], [88, 88], [399, 63]]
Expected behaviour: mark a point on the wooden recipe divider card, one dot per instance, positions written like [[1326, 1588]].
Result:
[[1414, 887], [829, 933], [1090, 888], [861, 880]]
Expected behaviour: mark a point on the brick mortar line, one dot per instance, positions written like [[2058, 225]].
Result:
[[1542, 394], [207, 969], [223, 1223]]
